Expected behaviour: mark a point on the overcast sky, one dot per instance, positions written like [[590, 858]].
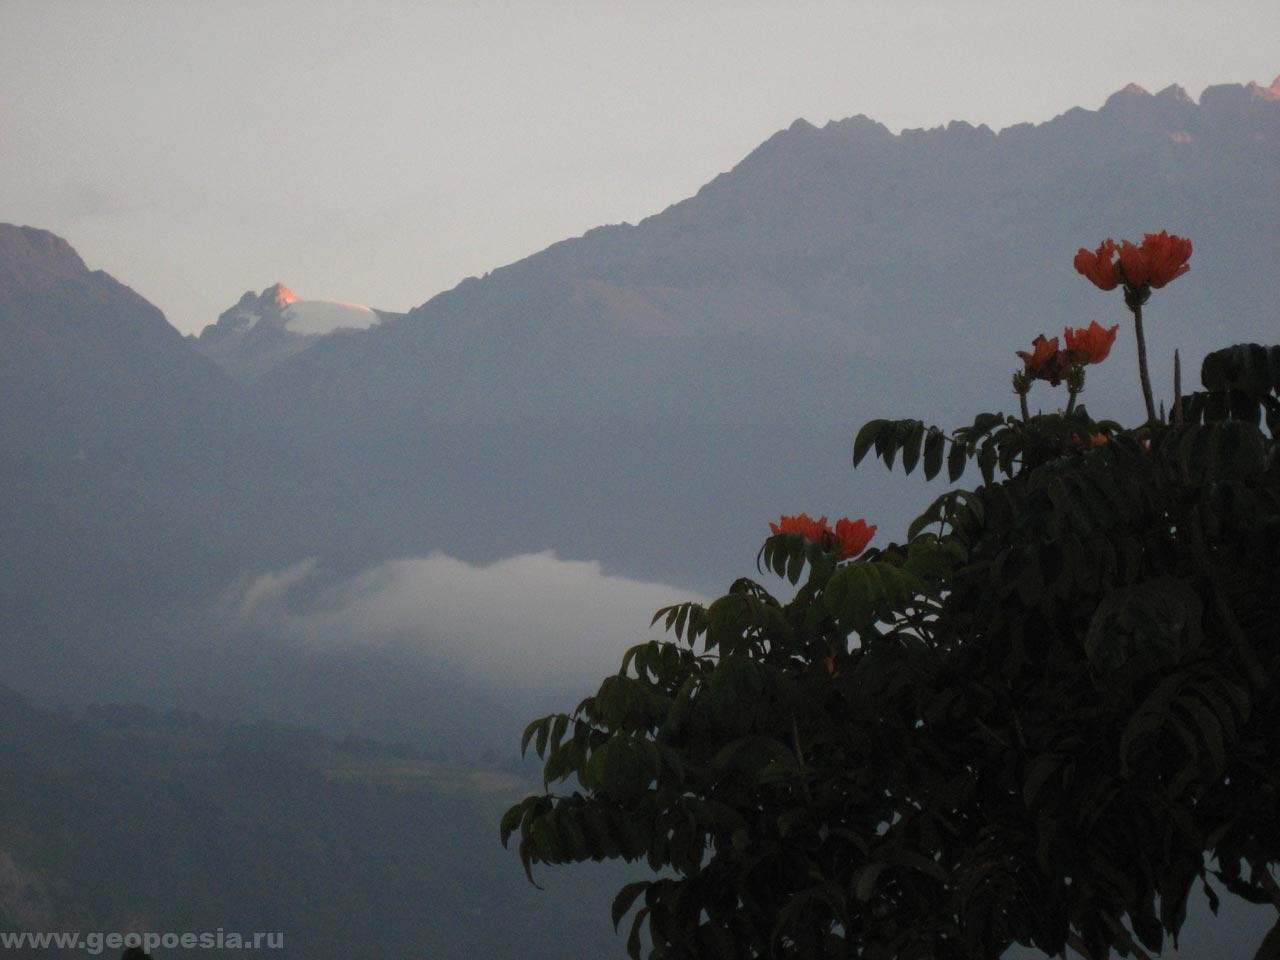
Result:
[[380, 152]]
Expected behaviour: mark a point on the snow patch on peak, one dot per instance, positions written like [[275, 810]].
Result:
[[313, 317]]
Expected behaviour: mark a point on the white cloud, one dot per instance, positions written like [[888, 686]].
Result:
[[529, 621]]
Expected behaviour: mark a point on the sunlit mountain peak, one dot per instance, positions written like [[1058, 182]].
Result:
[[280, 295]]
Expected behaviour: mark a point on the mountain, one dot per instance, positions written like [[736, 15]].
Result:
[[653, 394], [262, 330], [646, 396]]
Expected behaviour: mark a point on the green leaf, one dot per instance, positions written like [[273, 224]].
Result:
[[934, 443], [886, 442], [866, 437], [510, 822], [626, 897], [633, 938], [957, 459], [535, 727], [982, 424], [912, 439], [987, 457]]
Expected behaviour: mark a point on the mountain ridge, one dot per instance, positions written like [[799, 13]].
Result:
[[645, 397], [617, 392]]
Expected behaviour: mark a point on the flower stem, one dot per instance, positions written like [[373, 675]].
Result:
[[1022, 399], [1142, 359], [1071, 401]]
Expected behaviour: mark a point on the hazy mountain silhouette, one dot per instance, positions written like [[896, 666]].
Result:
[[649, 395], [679, 381]]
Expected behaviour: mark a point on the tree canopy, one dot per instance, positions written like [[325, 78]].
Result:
[[1048, 716]]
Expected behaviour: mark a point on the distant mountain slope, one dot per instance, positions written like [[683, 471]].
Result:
[[641, 386], [83, 359], [646, 396], [129, 462]]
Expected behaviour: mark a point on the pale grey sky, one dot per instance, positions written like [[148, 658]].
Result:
[[379, 152]]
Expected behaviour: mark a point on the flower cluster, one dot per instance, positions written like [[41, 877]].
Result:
[[1085, 345], [1161, 258], [849, 538]]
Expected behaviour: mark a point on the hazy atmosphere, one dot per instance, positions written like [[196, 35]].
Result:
[[370, 373], [381, 152]]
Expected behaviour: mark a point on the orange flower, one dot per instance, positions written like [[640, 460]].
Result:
[[849, 537], [1089, 344], [804, 525], [1099, 266], [1161, 258], [853, 537], [1046, 361], [1166, 257], [830, 664]]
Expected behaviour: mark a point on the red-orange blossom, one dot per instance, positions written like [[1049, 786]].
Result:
[[1162, 257], [1089, 344], [849, 538]]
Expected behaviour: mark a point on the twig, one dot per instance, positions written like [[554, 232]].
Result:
[[1135, 305]]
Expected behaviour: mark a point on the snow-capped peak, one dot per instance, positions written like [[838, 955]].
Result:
[[264, 329]]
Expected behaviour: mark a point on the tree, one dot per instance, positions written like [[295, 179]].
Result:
[[1043, 718]]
